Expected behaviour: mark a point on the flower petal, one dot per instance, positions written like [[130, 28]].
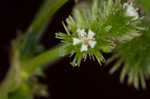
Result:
[[84, 47], [131, 11], [90, 34], [92, 43], [76, 41], [81, 32]]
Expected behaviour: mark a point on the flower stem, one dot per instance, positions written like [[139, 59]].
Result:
[[48, 57]]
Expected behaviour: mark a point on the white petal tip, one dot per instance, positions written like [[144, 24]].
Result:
[[76, 41], [90, 34], [92, 44], [84, 48]]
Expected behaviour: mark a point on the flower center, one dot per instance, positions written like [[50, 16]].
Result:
[[86, 36], [86, 43]]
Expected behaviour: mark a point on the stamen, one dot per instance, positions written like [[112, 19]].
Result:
[[92, 39], [77, 32], [86, 43], [86, 36]]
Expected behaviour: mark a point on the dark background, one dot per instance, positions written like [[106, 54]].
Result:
[[90, 81]]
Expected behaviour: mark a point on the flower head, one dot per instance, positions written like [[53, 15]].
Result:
[[111, 24], [87, 40]]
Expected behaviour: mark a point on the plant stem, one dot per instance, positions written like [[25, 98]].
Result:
[[45, 14], [45, 58]]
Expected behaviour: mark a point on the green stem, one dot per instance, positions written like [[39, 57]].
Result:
[[45, 14], [13, 77], [45, 58]]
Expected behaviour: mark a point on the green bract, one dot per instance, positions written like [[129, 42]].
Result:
[[136, 59], [111, 22]]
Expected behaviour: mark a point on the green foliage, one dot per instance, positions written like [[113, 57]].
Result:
[[100, 27], [9, 85], [109, 22], [135, 60], [42, 88], [23, 49], [32, 36], [145, 4], [21, 93], [45, 58]]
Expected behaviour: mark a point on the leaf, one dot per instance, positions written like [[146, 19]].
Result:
[[39, 24], [145, 4], [3, 95], [135, 59], [22, 93], [14, 72], [25, 47]]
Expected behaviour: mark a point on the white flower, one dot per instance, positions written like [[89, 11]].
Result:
[[131, 11], [90, 34], [76, 41], [84, 48], [81, 32], [85, 39], [92, 43]]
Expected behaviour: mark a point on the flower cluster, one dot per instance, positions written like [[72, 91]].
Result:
[[87, 40], [99, 28], [83, 43]]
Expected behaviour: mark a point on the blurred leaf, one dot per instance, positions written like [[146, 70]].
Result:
[[134, 57], [145, 4], [39, 24], [22, 93], [25, 46], [45, 58], [3, 95], [14, 72], [35, 85]]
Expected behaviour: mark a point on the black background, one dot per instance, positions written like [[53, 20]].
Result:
[[90, 81]]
